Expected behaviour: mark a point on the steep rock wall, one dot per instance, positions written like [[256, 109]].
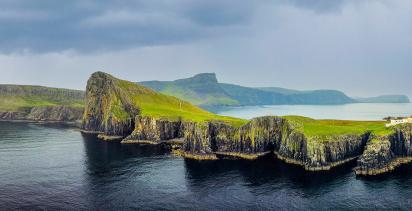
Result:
[[103, 99], [155, 130], [333, 150], [271, 134], [45, 113], [385, 153]]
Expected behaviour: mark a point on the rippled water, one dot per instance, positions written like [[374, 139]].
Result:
[[56, 168], [358, 111]]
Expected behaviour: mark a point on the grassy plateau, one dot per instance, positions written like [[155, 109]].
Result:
[[322, 128], [21, 97]]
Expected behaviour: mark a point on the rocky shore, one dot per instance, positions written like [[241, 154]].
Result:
[[44, 114]]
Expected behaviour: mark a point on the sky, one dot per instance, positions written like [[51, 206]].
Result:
[[361, 47]]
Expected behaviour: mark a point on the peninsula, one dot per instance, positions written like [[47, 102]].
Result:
[[121, 110]]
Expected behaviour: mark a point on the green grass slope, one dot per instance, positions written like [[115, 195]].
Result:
[[385, 99], [22, 97], [119, 100], [323, 128]]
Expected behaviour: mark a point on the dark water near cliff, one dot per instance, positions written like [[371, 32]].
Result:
[[55, 168]]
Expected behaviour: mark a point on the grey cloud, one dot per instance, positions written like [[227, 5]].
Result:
[[90, 25], [320, 6], [360, 47]]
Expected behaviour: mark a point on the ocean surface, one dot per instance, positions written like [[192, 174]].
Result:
[[52, 167], [359, 111]]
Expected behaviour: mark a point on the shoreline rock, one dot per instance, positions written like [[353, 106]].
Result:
[[384, 154], [391, 166], [44, 114], [272, 134], [109, 138]]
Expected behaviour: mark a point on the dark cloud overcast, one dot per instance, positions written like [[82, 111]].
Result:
[[86, 25], [362, 47]]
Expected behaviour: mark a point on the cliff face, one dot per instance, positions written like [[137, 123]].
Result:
[[45, 113], [258, 136], [155, 130], [107, 110], [55, 113], [121, 109], [334, 151], [401, 141], [271, 134], [385, 153]]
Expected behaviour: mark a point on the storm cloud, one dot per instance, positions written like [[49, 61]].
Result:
[[360, 47]]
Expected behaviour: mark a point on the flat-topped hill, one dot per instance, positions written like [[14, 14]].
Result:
[[201, 89]]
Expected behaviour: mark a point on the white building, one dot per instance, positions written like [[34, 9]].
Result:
[[399, 121]]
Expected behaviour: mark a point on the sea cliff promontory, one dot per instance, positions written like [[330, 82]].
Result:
[[38, 103], [122, 110]]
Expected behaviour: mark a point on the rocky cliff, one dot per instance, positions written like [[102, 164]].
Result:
[[45, 113], [384, 153], [119, 109], [108, 109], [271, 134], [154, 130]]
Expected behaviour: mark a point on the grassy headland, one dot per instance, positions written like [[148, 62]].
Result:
[[22, 97], [124, 96]]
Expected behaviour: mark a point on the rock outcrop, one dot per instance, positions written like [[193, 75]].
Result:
[[384, 153], [118, 109], [55, 113], [45, 113], [108, 109], [271, 134], [154, 130]]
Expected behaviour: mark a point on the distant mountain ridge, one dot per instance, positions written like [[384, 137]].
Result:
[[384, 99], [205, 90]]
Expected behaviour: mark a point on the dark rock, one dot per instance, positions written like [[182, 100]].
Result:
[[101, 94], [384, 153], [45, 113], [155, 130], [266, 134]]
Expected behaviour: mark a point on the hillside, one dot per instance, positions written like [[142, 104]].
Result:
[[38, 103], [205, 90], [202, 89], [21, 97], [112, 105], [385, 99], [313, 97]]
